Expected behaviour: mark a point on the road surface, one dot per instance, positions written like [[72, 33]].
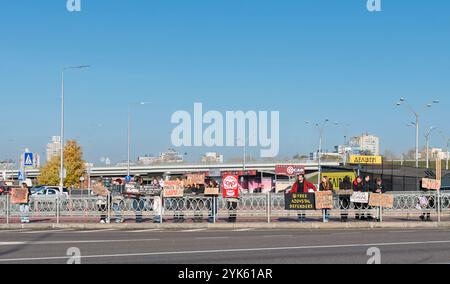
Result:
[[243, 246]]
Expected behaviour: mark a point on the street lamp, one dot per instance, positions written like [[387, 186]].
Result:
[[404, 102], [427, 137], [129, 133], [321, 128], [447, 153], [61, 170]]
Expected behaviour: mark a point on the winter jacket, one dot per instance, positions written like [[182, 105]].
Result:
[[306, 186]]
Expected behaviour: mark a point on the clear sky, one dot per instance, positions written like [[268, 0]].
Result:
[[308, 59]]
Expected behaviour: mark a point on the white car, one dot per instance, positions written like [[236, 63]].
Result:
[[51, 191]]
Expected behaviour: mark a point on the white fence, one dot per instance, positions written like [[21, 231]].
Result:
[[268, 207]]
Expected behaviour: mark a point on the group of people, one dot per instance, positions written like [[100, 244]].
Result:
[[358, 185]]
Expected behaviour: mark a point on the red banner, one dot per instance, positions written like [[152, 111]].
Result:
[[230, 186], [289, 170]]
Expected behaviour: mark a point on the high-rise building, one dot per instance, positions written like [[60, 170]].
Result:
[[366, 143], [54, 148], [212, 157]]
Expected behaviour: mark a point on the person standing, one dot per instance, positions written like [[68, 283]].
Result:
[[25, 207], [302, 186], [358, 186], [326, 186], [379, 189], [344, 200], [368, 187]]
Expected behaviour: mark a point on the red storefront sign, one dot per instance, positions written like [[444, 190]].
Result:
[[289, 170], [230, 186]]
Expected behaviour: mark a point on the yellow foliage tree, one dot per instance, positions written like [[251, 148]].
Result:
[[73, 163]]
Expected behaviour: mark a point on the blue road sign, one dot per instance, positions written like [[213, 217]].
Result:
[[28, 160], [128, 179], [20, 176]]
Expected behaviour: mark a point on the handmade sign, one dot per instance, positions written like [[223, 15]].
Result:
[[345, 192], [192, 179], [19, 195], [173, 189], [100, 190], [300, 201], [212, 191], [432, 184], [230, 186], [324, 200], [283, 186], [381, 200], [360, 197]]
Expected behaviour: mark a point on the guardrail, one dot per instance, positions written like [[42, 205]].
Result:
[[269, 207]]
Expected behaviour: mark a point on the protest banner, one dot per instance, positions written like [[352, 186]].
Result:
[[431, 184], [192, 179], [324, 200], [212, 191], [300, 201], [230, 186], [336, 178], [173, 189], [360, 197], [381, 200], [283, 186], [19, 195], [100, 190]]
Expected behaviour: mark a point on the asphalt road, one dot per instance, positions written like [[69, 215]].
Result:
[[243, 246]]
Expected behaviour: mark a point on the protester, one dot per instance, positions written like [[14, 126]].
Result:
[[344, 200], [426, 203], [211, 202], [326, 185], [380, 189], [358, 186], [25, 207], [302, 186], [102, 200], [118, 200], [368, 187]]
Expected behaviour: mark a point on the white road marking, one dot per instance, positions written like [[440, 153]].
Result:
[[278, 236], [193, 230], [74, 242], [46, 231], [212, 238], [144, 231], [225, 251], [96, 231], [11, 243], [244, 230]]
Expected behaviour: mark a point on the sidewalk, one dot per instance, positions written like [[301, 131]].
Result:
[[224, 226]]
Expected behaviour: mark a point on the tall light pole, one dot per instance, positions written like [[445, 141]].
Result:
[[427, 137], [403, 101], [61, 169], [447, 146], [129, 133], [321, 128]]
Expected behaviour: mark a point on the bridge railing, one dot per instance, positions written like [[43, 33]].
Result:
[[268, 207]]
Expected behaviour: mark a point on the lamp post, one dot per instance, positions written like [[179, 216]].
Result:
[[61, 170], [403, 101], [321, 128], [129, 133], [427, 137], [447, 146]]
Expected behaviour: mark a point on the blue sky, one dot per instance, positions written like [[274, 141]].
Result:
[[308, 59]]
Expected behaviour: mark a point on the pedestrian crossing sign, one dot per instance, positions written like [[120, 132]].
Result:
[[28, 161]]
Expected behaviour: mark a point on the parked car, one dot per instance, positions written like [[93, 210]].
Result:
[[51, 191]]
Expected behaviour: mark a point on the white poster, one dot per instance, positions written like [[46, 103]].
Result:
[[360, 197]]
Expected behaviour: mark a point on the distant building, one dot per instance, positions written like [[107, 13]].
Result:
[[148, 160], [212, 157], [365, 144], [437, 153], [170, 156], [53, 148]]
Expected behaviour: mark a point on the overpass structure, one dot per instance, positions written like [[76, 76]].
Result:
[[179, 169]]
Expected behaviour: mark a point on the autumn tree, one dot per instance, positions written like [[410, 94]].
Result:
[[73, 163]]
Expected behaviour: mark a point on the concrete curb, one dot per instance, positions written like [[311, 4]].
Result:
[[189, 226]]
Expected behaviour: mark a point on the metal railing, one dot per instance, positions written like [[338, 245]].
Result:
[[269, 207]]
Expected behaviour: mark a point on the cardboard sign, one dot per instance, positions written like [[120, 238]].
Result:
[[324, 200], [300, 201], [432, 184], [366, 160], [360, 197], [212, 191], [289, 170], [173, 189], [381, 200], [230, 186], [19, 195], [283, 186], [192, 179], [100, 190]]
